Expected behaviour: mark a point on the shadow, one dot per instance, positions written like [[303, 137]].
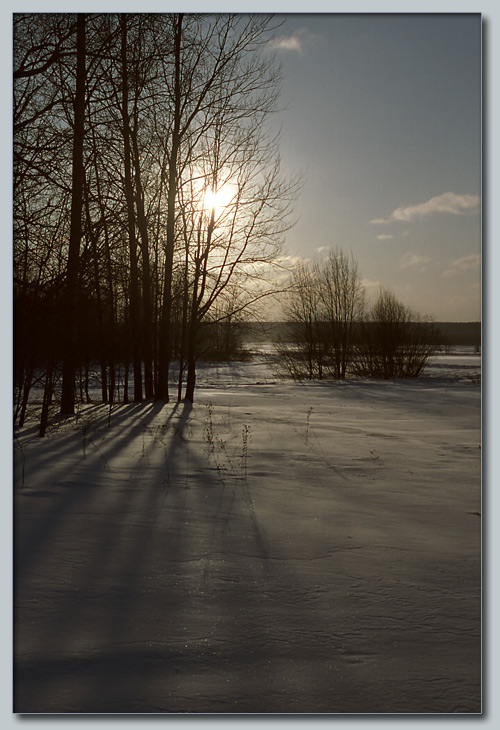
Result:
[[150, 578], [75, 487]]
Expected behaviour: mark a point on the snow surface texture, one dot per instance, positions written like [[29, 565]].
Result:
[[276, 548]]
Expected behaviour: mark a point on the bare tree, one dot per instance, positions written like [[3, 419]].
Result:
[[216, 68], [239, 219], [119, 136], [69, 366], [396, 342], [306, 357], [343, 302], [129, 196], [325, 305]]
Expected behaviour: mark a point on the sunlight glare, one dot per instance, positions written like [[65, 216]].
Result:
[[217, 200]]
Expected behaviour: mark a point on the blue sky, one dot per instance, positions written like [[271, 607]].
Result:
[[382, 113]]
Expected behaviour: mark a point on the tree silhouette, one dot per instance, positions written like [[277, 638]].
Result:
[[122, 122], [395, 342]]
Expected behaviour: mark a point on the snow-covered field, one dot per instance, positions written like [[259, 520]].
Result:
[[277, 547]]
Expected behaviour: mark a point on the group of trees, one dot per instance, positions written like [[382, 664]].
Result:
[[331, 331], [148, 197], [148, 203]]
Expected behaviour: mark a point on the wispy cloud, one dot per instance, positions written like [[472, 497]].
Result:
[[448, 203], [286, 43], [411, 259], [384, 236], [297, 42], [371, 285], [289, 260], [463, 264]]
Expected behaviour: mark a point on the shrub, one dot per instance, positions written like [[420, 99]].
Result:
[[395, 342], [325, 303]]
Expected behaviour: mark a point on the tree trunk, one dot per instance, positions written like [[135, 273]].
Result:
[[28, 380], [107, 307], [147, 321], [184, 324], [47, 399], [129, 195], [88, 399], [192, 333], [125, 382], [69, 365], [165, 343], [191, 362], [100, 318]]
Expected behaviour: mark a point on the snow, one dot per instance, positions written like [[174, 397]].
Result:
[[275, 548]]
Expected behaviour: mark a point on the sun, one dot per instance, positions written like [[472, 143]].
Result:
[[217, 200]]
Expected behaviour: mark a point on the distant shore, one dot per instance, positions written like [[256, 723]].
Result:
[[452, 333]]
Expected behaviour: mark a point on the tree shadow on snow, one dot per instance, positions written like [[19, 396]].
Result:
[[146, 581]]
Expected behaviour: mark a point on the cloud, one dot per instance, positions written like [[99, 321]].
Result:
[[289, 260], [385, 236], [463, 264], [449, 203], [371, 285], [411, 259], [279, 268], [297, 42], [284, 43], [323, 248], [467, 262]]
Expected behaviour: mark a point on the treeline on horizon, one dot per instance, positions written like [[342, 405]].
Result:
[[449, 334]]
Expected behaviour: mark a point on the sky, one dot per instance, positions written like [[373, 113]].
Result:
[[382, 115]]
